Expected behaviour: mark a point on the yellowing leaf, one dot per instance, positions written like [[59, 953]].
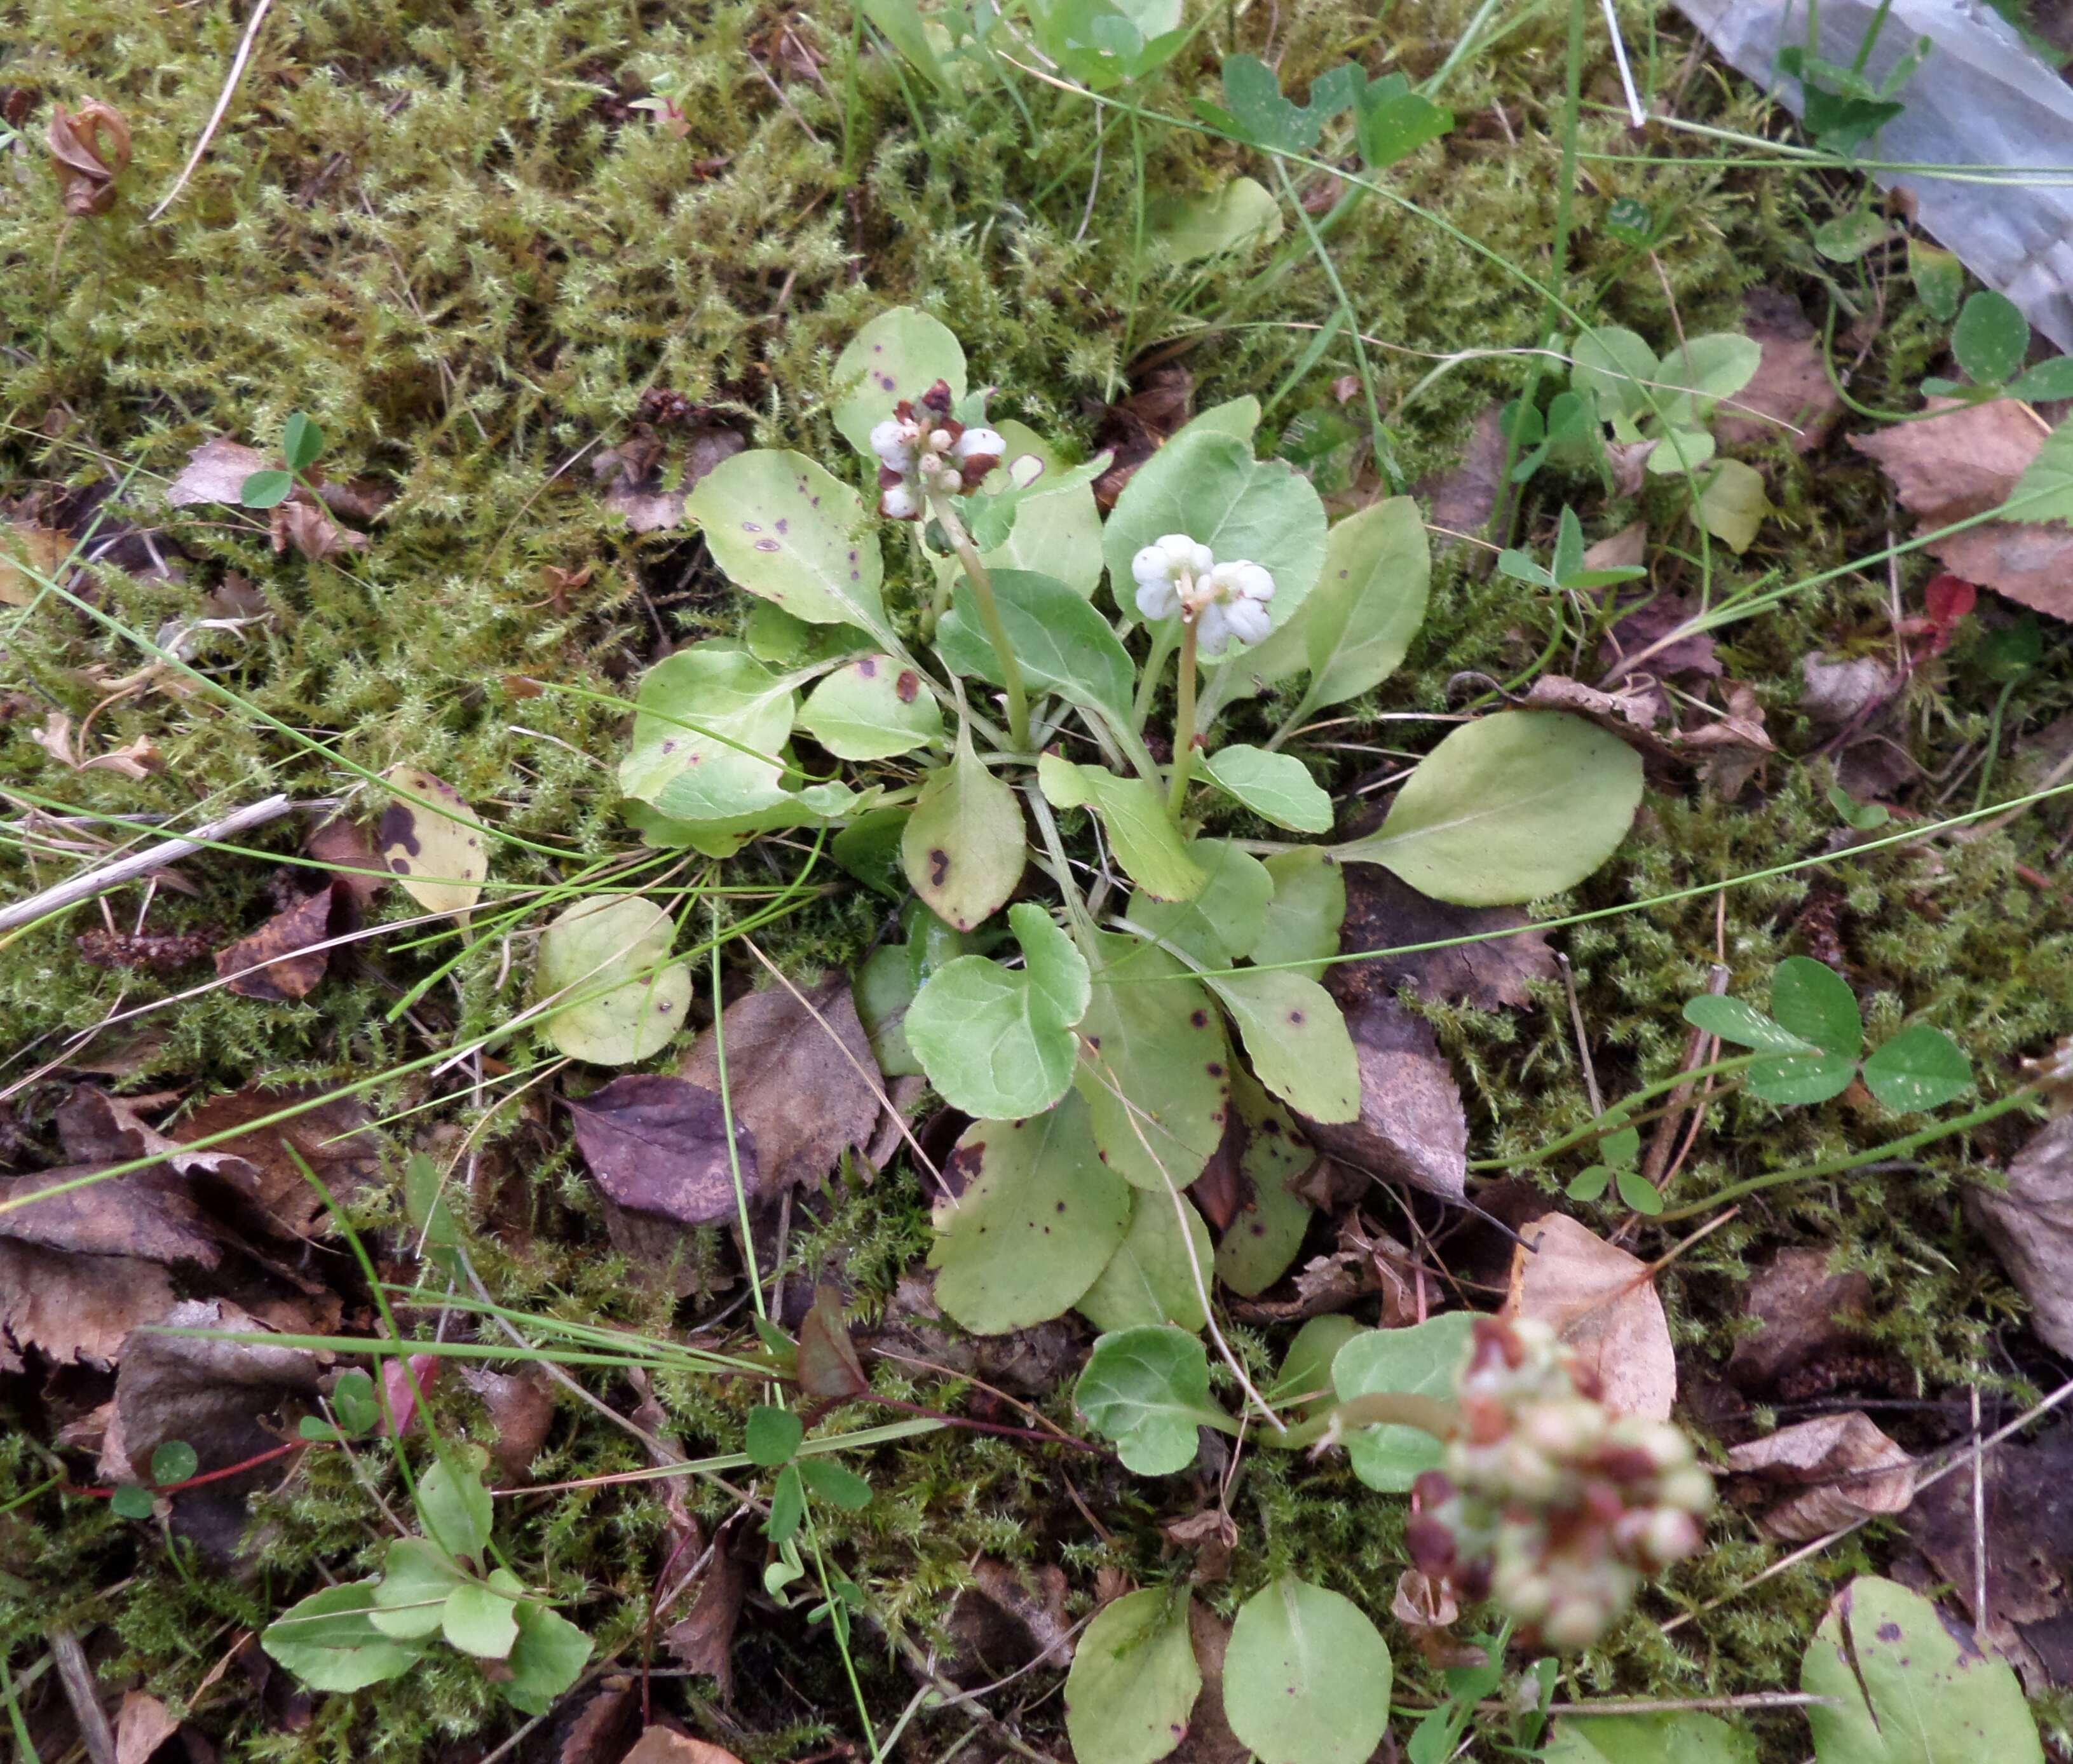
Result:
[[434, 844]]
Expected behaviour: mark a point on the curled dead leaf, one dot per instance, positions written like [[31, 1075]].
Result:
[[26, 552], [664, 1745], [76, 1309], [659, 1145], [285, 958], [138, 759], [305, 524], [801, 1078], [334, 1140], [1844, 1467], [89, 149], [1603, 1304], [2030, 1225]]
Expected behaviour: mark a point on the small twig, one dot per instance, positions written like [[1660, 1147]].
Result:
[[1675, 1705], [1654, 1167], [1583, 1041], [1979, 1520], [87, 884], [215, 117], [80, 1690]]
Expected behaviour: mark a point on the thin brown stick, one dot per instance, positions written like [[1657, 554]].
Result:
[[84, 1694], [1698, 1051]]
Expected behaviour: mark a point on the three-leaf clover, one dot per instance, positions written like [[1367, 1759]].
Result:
[[1811, 1042], [302, 442], [1567, 570], [1989, 342], [1617, 1152]]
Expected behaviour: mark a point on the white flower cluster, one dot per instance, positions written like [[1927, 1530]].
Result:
[[1550, 1503], [927, 451], [1176, 574]]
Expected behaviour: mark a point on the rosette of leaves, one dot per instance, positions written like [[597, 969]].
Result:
[[1107, 1041], [435, 1588]]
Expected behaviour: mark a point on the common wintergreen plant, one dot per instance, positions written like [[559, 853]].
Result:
[[1107, 953]]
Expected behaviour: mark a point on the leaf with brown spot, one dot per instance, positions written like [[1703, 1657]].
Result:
[[659, 1145], [281, 961], [1411, 1125], [334, 1139], [435, 845], [800, 1075], [89, 151], [1385, 913], [1844, 1468], [1602, 1302]]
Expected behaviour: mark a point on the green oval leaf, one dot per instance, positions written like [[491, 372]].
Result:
[[1156, 1077], [1148, 1388], [1240, 212], [1296, 1037], [1920, 1068], [131, 1502], [1907, 1692], [1423, 1360], [1990, 338], [548, 1657], [998, 1044], [267, 489], [783, 528], [1277, 787], [1225, 918], [772, 1435], [478, 1620], [1803, 1077], [962, 847], [1061, 643], [1209, 486], [1040, 1218], [302, 441], [598, 962], [707, 736], [1303, 919], [1608, 364], [1306, 1676], [1811, 1000], [1511, 808], [452, 1504], [417, 1578], [1686, 1736], [174, 1462], [1146, 841], [900, 354], [328, 1643], [872, 708], [1742, 1023], [1133, 1681], [1057, 532], [1151, 1277]]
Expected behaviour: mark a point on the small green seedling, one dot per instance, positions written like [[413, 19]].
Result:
[[173, 1462], [357, 1405], [439, 1585], [1617, 1152], [1566, 571], [302, 444], [1844, 108], [1861, 816], [1812, 1042]]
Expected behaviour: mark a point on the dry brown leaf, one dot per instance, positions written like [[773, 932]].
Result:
[[216, 472], [603, 1727], [304, 523], [1625, 550], [703, 1639], [89, 151], [2030, 1225], [27, 551], [1420, 1602], [1464, 500], [1845, 1468], [1838, 691], [661, 1745], [1949, 468], [1006, 1620], [1791, 385], [229, 1400], [2032, 563], [806, 1090], [1805, 1316], [2028, 1495], [1137, 426], [138, 759], [145, 1214], [358, 868], [75, 1308], [659, 1145], [333, 1139], [521, 1408], [142, 1726], [1411, 1127], [1621, 710], [282, 960], [1210, 1536], [1630, 641], [1602, 1302], [1385, 913]]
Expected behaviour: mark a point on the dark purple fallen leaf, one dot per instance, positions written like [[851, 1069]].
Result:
[[1385, 913], [658, 1145]]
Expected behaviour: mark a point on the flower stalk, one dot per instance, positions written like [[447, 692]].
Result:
[[989, 613], [1184, 722]]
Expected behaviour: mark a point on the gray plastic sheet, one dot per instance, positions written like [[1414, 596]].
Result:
[[1980, 99]]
